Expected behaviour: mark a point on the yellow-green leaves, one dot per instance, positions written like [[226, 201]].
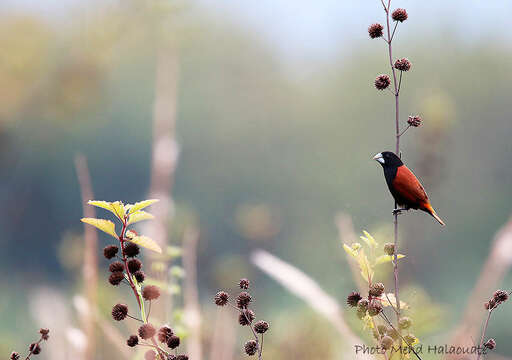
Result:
[[102, 224], [369, 259], [140, 205], [387, 258], [127, 214], [116, 208], [369, 240], [139, 216], [143, 241]]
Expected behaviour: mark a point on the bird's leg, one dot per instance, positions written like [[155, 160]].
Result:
[[398, 211]]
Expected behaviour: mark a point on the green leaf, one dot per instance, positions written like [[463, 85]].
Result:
[[116, 208], [141, 205], [146, 242], [387, 258], [364, 265], [389, 299], [102, 224], [369, 240], [349, 250], [139, 216]]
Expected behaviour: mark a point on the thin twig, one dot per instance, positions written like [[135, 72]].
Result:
[[398, 332], [397, 151], [404, 130], [483, 334]]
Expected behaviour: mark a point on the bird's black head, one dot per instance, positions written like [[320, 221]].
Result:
[[388, 159]]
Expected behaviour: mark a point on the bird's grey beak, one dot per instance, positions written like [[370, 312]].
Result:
[[378, 157]]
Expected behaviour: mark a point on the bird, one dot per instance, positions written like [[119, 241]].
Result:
[[404, 185]]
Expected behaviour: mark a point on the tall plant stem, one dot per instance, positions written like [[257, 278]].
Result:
[[483, 335], [397, 151]]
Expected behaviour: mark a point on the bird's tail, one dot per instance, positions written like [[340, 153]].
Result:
[[432, 212]]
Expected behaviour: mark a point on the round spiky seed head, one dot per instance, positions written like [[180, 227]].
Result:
[[116, 266], [164, 334], [134, 265], [376, 289], [382, 82], [375, 30], [491, 304], [44, 333], [261, 327], [393, 333], [414, 121], [403, 64], [246, 317], [374, 308], [132, 341], [14, 356], [382, 329], [243, 299], [150, 355], [173, 342], [386, 342], [389, 248], [110, 251], [119, 312], [116, 278], [353, 298], [147, 331], [490, 344], [221, 298], [409, 339], [361, 314], [251, 347], [182, 357], [151, 292], [131, 249], [244, 284], [405, 322], [399, 15], [500, 296], [139, 276], [362, 305], [35, 349]]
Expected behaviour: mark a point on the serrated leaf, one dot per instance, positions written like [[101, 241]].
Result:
[[141, 205], [146, 242], [139, 216], [364, 265], [369, 240], [386, 298], [104, 225], [387, 258], [116, 208], [349, 250]]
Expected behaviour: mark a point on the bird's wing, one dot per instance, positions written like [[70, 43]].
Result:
[[408, 187]]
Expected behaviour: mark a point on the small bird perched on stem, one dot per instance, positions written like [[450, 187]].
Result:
[[404, 186]]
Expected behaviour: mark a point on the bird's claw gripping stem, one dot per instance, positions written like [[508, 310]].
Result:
[[398, 211]]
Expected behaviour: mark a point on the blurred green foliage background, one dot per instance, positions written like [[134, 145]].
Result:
[[269, 154]]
